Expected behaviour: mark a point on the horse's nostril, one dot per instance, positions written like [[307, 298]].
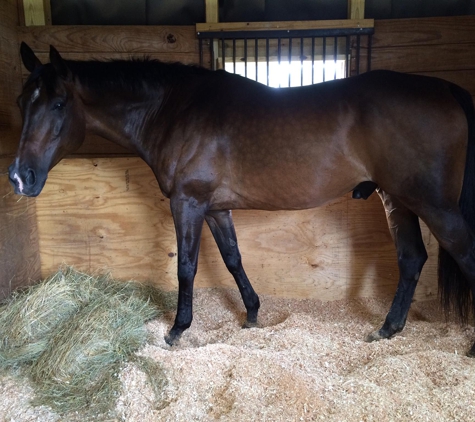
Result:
[[30, 179]]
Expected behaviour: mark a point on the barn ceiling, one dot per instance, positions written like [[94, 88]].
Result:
[[189, 12]]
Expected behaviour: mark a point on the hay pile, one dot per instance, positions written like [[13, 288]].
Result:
[[72, 333], [308, 362]]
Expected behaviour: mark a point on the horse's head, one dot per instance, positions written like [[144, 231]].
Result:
[[53, 121]]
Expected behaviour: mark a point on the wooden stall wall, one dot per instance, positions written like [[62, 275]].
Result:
[[440, 47], [108, 213], [19, 253]]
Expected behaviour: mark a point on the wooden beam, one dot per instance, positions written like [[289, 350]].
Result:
[[212, 11], [291, 25], [47, 11], [356, 9], [212, 16], [34, 12], [130, 39]]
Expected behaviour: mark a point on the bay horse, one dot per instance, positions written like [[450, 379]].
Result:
[[217, 141]]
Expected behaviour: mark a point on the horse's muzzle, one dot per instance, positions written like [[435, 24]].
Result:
[[24, 181]]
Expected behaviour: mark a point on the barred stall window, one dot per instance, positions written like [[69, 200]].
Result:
[[288, 57]]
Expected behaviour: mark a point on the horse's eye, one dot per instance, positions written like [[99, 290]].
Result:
[[58, 106]]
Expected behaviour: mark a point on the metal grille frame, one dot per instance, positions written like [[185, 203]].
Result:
[[221, 45]]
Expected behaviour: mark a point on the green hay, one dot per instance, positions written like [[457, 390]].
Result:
[[29, 316], [72, 334]]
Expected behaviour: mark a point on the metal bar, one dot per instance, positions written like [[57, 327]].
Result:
[[324, 54], [234, 55], [223, 52], [290, 60], [211, 50], [245, 57], [313, 60], [370, 39], [267, 59], [279, 51], [358, 52], [301, 61], [335, 55], [347, 56], [294, 33], [256, 54], [200, 42]]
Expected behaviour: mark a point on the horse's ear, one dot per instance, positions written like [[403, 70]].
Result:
[[28, 57], [58, 63]]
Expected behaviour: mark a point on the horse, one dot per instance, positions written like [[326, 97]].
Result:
[[218, 142]]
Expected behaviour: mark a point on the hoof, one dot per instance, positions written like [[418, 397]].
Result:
[[374, 336], [471, 353], [172, 339], [248, 324]]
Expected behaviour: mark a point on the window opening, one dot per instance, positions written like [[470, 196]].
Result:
[[288, 58]]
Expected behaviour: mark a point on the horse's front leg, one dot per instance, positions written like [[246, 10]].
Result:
[[188, 215], [222, 227]]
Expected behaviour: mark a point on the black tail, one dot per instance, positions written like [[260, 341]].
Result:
[[454, 289]]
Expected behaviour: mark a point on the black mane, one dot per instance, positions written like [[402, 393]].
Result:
[[134, 75]]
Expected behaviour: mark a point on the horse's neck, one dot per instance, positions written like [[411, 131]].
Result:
[[123, 120]]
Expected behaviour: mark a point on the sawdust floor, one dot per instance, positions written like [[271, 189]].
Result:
[[308, 362]]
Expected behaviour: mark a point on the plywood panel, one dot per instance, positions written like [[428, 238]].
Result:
[[19, 253], [10, 77], [95, 146], [112, 39], [109, 213], [421, 58], [424, 31]]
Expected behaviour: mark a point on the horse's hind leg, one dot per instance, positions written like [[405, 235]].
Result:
[[222, 227], [411, 254], [455, 237]]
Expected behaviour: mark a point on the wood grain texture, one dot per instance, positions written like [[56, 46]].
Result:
[[111, 39], [284, 25], [19, 252], [10, 78], [442, 47], [424, 31], [212, 10], [421, 58], [47, 12], [95, 146], [356, 9], [109, 213], [34, 12]]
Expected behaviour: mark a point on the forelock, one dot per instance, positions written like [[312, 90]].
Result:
[[43, 76]]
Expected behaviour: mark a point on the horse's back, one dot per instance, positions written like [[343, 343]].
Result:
[[302, 147]]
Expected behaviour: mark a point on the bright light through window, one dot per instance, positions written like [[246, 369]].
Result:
[[295, 73]]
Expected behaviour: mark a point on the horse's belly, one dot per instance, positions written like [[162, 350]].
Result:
[[284, 196]]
